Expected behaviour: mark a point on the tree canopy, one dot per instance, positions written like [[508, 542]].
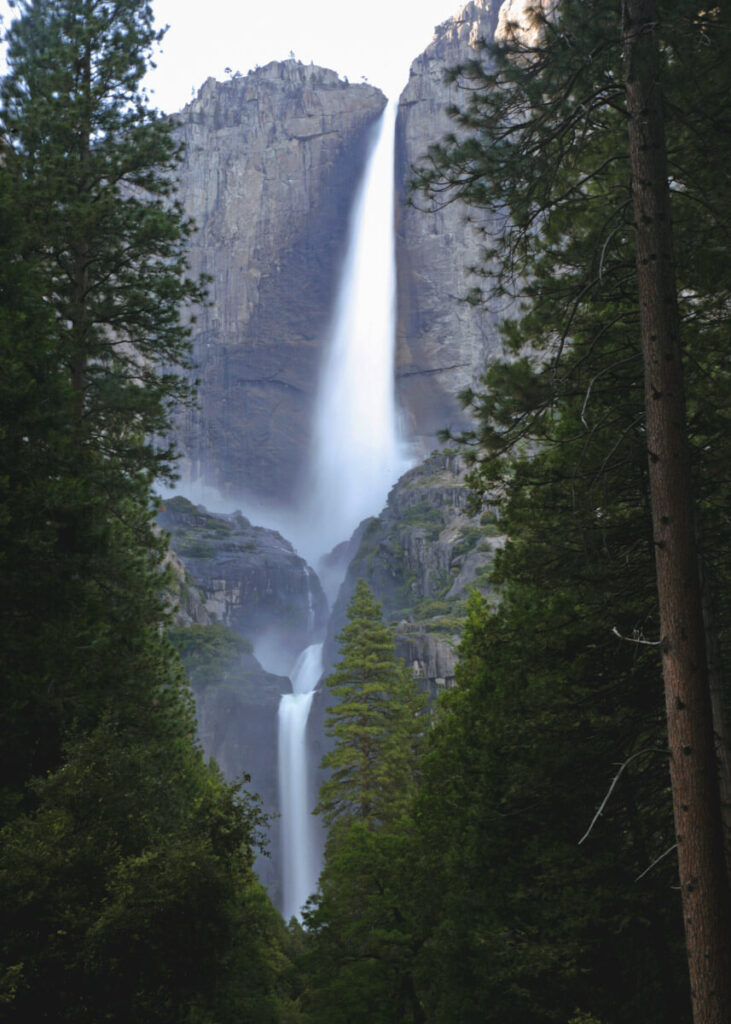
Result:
[[126, 876], [553, 142], [541, 881]]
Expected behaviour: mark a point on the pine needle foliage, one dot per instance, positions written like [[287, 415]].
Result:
[[376, 723]]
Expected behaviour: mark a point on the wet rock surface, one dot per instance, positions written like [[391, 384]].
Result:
[[241, 588], [250, 578]]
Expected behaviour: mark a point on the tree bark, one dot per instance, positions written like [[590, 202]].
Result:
[[79, 308], [696, 804], [717, 690]]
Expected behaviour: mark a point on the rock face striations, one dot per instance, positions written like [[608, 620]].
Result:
[[421, 558], [271, 167], [443, 341], [271, 164], [250, 579]]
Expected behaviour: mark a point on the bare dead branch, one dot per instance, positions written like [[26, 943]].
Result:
[[615, 780], [656, 861], [636, 639]]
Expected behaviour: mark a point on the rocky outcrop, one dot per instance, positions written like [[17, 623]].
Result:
[[443, 341], [523, 21], [237, 588], [237, 725], [250, 578], [421, 557], [185, 600], [271, 164]]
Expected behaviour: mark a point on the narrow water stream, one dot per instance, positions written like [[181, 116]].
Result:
[[300, 866]]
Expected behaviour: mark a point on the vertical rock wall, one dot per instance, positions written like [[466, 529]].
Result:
[[271, 167], [443, 341], [272, 161]]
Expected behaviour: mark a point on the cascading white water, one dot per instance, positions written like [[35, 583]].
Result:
[[357, 454], [299, 829]]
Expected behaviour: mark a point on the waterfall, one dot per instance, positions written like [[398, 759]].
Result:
[[357, 454], [310, 601], [300, 866]]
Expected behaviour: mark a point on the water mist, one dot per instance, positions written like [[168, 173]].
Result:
[[357, 455]]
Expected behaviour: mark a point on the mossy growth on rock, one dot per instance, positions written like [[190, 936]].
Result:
[[421, 557], [209, 653]]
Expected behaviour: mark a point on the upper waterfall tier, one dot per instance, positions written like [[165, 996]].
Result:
[[271, 167], [356, 454]]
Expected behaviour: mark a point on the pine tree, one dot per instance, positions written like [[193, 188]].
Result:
[[94, 278], [359, 935], [125, 861], [693, 769], [546, 139], [375, 723]]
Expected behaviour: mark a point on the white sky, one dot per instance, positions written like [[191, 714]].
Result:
[[375, 38]]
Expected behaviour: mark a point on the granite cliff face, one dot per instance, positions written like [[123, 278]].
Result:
[[250, 579], [271, 164], [421, 557], [238, 588], [443, 342]]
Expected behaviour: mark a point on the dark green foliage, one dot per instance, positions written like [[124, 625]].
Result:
[[126, 863], [92, 167], [360, 945], [93, 275], [521, 922], [208, 652], [130, 882], [375, 724], [560, 686]]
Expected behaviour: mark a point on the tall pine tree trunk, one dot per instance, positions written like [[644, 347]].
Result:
[[717, 690], [696, 804], [79, 307]]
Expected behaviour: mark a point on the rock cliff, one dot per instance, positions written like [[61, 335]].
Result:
[[240, 589], [443, 341], [271, 164], [421, 557], [250, 578]]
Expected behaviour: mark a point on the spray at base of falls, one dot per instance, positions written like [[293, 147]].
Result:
[[300, 868], [357, 452]]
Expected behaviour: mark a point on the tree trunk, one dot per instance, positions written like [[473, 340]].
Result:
[[696, 804], [80, 302], [717, 690]]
